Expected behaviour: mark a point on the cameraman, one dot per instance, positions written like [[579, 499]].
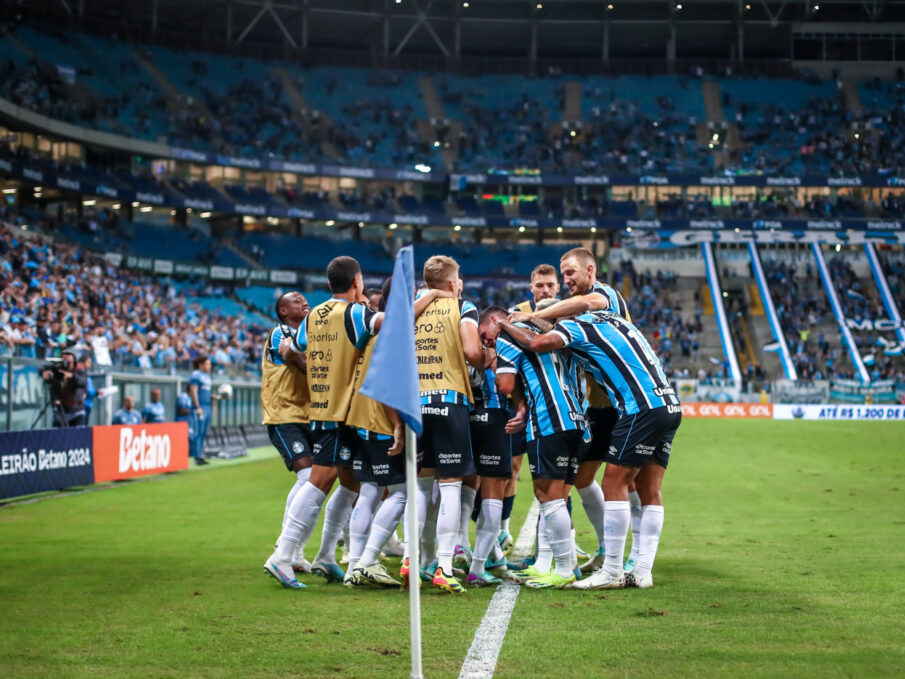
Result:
[[67, 382]]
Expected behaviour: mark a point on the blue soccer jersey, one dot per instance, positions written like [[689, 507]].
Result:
[[123, 416], [272, 344], [359, 323], [619, 359], [202, 380], [552, 402], [488, 396], [153, 413], [616, 303]]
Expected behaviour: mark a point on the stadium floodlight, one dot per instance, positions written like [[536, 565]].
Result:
[[540, 6], [436, 144], [628, 229], [7, 191], [457, 227], [747, 8], [521, 229], [716, 136], [330, 222], [609, 7], [558, 229], [465, 4], [593, 229], [393, 227], [134, 203], [205, 215], [421, 167], [147, 208], [679, 7], [816, 8]]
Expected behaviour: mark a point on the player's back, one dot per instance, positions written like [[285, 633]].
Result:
[[442, 370], [553, 403], [619, 357], [334, 334]]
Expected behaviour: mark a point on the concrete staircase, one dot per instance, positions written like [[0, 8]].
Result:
[[435, 112], [302, 110], [713, 107], [571, 110], [177, 102], [709, 338]]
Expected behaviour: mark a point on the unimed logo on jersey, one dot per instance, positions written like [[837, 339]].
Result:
[[124, 452]]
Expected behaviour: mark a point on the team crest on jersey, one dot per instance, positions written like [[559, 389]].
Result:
[[345, 454]]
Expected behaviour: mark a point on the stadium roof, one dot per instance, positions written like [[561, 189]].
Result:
[[488, 34]]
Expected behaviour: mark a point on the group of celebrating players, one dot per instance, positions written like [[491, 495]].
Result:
[[570, 384]]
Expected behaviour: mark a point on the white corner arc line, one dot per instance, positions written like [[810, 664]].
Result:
[[480, 662]]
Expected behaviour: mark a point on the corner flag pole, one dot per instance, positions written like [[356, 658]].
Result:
[[411, 488], [392, 379]]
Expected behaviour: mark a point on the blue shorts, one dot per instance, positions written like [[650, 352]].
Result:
[[292, 440], [644, 437]]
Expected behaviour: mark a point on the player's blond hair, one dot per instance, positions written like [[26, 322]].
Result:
[[583, 255], [439, 270], [544, 270]]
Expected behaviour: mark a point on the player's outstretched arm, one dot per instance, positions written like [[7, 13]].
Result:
[[549, 341], [472, 345], [574, 306], [425, 300]]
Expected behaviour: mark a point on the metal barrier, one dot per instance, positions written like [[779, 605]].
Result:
[[23, 395]]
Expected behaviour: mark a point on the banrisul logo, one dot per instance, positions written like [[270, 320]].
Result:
[[142, 452]]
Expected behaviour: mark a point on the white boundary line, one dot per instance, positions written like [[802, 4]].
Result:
[[488, 639]]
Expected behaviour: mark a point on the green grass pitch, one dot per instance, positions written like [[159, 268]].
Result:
[[783, 554]]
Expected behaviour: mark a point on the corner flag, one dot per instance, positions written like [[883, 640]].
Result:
[[392, 377]]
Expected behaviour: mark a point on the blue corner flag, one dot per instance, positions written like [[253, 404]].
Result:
[[392, 377]]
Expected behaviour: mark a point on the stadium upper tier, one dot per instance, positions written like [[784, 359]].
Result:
[[273, 110]]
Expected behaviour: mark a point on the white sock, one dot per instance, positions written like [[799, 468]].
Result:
[[384, 524], [544, 561], [559, 535], [302, 479], [360, 522], [592, 501], [616, 519], [634, 501], [467, 507], [448, 523], [496, 551], [651, 525], [504, 525], [487, 532], [429, 534], [425, 491], [336, 516], [303, 513]]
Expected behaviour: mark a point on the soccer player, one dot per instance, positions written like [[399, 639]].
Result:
[[333, 335], [184, 414], [153, 412], [446, 336], [202, 399], [555, 431], [544, 285], [579, 270], [127, 414], [382, 468], [284, 401], [621, 361]]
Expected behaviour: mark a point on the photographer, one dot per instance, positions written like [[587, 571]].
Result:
[[67, 382]]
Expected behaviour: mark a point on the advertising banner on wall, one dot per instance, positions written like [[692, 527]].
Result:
[[729, 410], [853, 391], [37, 461], [714, 390], [124, 452], [825, 411]]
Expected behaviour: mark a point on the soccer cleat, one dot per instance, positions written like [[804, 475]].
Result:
[[498, 568], [483, 580], [329, 571], [300, 564], [427, 574], [526, 573], [594, 562], [600, 579], [629, 566], [351, 580], [550, 581], [462, 557], [579, 552], [394, 546], [447, 583], [521, 565], [282, 574], [577, 573], [376, 574], [642, 582], [505, 540]]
